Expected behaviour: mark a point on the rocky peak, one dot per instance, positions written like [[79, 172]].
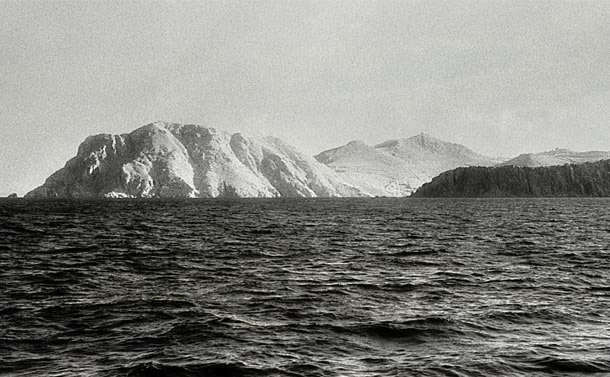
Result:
[[164, 159]]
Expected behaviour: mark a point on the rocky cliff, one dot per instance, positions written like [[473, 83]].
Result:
[[398, 167], [587, 179], [172, 160]]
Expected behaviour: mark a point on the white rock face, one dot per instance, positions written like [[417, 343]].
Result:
[[172, 160], [398, 167], [556, 157]]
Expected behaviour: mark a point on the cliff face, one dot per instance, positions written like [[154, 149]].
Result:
[[587, 179], [172, 160], [398, 167]]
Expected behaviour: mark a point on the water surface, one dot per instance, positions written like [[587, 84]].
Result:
[[305, 287]]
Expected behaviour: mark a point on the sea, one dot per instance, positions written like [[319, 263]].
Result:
[[305, 287]]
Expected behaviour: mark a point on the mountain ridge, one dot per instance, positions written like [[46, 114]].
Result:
[[399, 166]]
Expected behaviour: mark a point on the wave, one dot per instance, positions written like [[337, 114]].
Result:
[[564, 365], [524, 315], [420, 329], [155, 369], [17, 229], [403, 334], [219, 369]]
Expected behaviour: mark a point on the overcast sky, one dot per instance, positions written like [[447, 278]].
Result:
[[502, 78]]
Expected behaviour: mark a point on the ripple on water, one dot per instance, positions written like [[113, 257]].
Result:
[[383, 287]]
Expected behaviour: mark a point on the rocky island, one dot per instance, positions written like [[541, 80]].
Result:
[[173, 160], [576, 180]]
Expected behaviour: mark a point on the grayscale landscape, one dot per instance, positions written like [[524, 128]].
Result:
[[304, 188]]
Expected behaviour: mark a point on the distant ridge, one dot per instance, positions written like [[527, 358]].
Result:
[[557, 156], [398, 167]]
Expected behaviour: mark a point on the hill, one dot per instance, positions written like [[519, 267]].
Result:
[[172, 160]]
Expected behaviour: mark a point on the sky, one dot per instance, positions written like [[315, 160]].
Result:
[[500, 77]]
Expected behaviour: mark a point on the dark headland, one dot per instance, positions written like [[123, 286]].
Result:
[[569, 180]]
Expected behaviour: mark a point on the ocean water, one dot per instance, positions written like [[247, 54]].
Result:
[[305, 287]]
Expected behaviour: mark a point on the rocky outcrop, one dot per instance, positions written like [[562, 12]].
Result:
[[173, 160], [587, 179], [398, 167], [13, 196]]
